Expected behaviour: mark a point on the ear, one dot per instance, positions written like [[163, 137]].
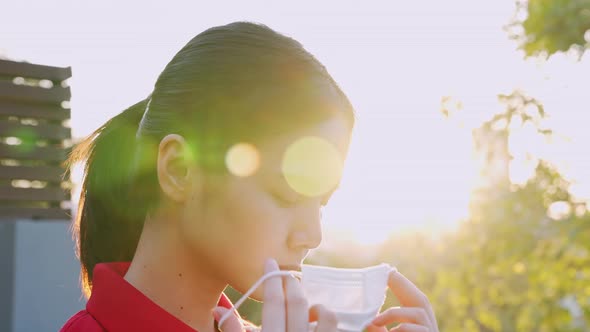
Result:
[[174, 168]]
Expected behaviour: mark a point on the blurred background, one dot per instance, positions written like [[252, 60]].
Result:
[[469, 168]]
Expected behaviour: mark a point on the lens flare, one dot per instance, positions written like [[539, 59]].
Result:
[[242, 159], [312, 166]]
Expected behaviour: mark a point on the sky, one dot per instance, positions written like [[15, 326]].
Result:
[[409, 168]]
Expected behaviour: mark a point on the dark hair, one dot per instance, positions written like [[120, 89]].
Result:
[[241, 81]]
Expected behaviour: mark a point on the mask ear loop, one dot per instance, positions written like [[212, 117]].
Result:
[[253, 288]]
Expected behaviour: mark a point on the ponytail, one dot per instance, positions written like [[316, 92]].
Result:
[[109, 219]]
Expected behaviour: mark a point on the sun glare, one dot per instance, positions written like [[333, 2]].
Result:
[[312, 166], [242, 159]]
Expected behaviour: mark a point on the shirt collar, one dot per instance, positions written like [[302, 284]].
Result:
[[118, 306]]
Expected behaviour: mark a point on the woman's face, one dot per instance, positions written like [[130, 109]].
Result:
[[244, 220]]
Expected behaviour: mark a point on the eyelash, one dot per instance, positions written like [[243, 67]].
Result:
[[284, 202], [290, 203]]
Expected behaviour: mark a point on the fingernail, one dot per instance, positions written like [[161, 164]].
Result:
[[376, 321], [270, 265]]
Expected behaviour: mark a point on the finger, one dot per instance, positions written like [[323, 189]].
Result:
[[409, 327], [250, 327], [406, 292], [409, 295], [297, 307], [232, 324], [273, 309], [375, 328], [253, 329], [416, 315], [327, 321]]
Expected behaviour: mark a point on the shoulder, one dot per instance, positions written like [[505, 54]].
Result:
[[82, 321]]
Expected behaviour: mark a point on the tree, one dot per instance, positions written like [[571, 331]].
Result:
[[551, 26], [521, 261]]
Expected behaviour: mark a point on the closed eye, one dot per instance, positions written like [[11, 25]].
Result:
[[283, 201], [286, 200]]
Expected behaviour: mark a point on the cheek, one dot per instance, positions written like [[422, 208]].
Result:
[[256, 220], [236, 231], [256, 230]]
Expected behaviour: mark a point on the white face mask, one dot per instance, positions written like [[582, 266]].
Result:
[[354, 295]]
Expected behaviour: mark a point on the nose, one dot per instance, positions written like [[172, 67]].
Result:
[[306, 231]]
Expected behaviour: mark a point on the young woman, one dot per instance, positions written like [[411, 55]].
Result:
[[166, 222]]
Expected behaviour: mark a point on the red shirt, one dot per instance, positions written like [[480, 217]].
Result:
[[115, 305]]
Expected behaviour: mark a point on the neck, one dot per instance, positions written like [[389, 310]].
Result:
[[164, 270]]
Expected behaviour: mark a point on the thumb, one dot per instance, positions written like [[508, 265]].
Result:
[[231, 324]]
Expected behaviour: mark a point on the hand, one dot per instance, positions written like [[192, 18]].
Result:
[[285, 309], [415, 314]]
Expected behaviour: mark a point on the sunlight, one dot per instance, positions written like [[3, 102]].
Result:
[[488, 218], [521, 170], [242, 159], [12, 141], [390, 187], [312, 166], [559, 210]]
